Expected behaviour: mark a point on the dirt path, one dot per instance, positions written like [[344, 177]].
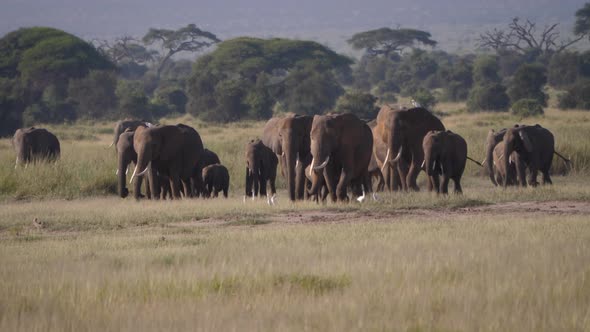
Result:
[[330, 216]]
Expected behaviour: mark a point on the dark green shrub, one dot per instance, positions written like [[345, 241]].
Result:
[[527, 108]]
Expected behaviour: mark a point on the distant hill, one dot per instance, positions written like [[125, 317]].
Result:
[[454, 23]]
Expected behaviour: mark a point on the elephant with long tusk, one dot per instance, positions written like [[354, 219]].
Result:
[[398, 136], [340, 144]]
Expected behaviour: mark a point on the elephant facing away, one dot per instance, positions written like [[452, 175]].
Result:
[[35, 144], [261, 168], [534, 146], [215, 179], [445, 155], [499, 169], [340, 144], [171, 151], [123, 125], [207, 158], [398, 143]]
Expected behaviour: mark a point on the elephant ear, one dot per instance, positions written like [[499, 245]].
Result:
[[526, 140]]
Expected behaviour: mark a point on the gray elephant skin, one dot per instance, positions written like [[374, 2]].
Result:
[[445, 155], [126, 155], [261, 169], [398, 144], [35, 144], [340, 144], [288, 137], [535, 147], [215, 179], [123, 125], [171, 151], [499, 170]]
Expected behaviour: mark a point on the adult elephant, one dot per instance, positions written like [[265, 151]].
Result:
[[271, 139], [33, 144], [400, 133], [206, 158], [445, 154], [494, 137], [340, 143], [261, 169], [123, 125], [126, 155], [172, 151], [294, 143], [499, 169], [535, 147]]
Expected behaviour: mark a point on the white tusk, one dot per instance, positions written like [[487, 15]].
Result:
[[484, 160], [422, 166], [283, 154], [501, 156], [385, 161], [311, 167], [399, 155], [244, 201], [127, 170], [117, 172], [140, 174], [510, 160], [16, 163], [297, 163], [112, 143], [319, 167], [133, 175]]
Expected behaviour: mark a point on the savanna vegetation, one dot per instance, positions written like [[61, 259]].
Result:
[[76, 257]]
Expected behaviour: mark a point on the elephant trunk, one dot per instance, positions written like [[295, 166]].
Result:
[[291, 172], [429, 163]]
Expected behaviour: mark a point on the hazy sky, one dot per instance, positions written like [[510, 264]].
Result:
[[111, 18]]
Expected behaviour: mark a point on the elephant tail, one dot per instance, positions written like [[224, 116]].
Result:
[[475, 161]]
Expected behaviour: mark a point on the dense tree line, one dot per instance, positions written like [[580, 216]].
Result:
[[48, 75]]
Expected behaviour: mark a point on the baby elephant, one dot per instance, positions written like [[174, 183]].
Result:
[[215, 179], [445, 154]]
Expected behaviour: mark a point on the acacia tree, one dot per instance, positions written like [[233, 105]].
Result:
[[387, 42], [524, 36], [126, 49], [186, 39]]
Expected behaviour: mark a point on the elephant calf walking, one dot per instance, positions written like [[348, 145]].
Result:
[[215, 179], [445, 154], [261, 168]]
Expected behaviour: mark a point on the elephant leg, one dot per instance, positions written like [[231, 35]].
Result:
[[521, 172], [263, 184], [330, 184], [546, 177], [435, 179], [458, 189], [444, 185], [413, 176], [430, 184], [403, 169], [154, 183], [343, 184], [225, 190], [175, 186], [148, 191], [273, 188]]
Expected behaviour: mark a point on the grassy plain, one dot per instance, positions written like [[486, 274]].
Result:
[[489, 260]]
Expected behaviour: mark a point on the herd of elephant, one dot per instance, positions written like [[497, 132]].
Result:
[[318, 156], [330, 154]]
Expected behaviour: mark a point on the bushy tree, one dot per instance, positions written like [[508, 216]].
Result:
[[488, 97], [425, 98], [487, 94], [173, 98], [133, 102], [528, 83], [40, 62], [94, 95], [359, 103], [576, 96], [527, 108], [244, 77], [563, 69], [387, 41]]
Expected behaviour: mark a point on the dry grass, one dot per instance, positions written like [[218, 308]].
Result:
[[442, 272], [411, 262]]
